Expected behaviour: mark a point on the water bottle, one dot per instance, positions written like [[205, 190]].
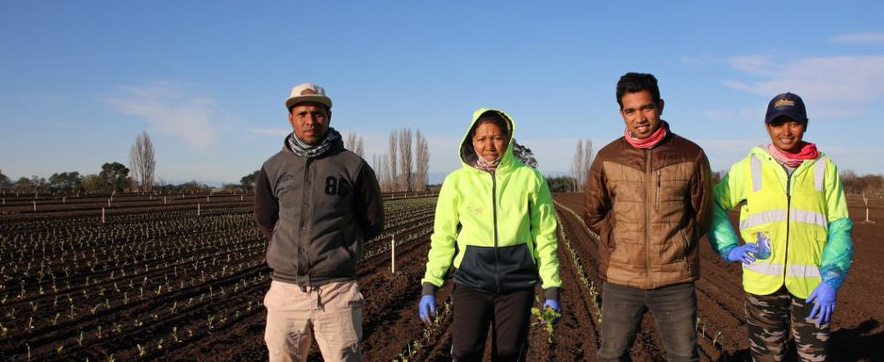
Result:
[[763, 242]]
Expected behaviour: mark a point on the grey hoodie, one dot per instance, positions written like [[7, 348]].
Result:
[[316, 214]]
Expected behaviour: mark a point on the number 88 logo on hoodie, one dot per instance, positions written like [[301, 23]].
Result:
[[336, 186]]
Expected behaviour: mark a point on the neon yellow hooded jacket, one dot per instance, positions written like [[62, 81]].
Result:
[[498, 229]]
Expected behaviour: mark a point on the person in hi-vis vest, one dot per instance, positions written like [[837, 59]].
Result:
[[794, 222]]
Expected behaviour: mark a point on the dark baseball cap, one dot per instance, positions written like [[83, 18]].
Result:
[[786, 104]]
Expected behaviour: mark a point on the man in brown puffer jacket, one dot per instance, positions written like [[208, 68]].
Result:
[[648, 197]]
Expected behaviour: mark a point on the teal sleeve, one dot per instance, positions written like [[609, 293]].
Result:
[[444, 236], [838, 253], [728, 193], [722, 235]]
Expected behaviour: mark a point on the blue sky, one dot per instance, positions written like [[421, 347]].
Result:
[[208, 79]]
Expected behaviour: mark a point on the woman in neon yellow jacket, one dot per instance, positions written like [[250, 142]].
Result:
[[496, 224], [793, 218]]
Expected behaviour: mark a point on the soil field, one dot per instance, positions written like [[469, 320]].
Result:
[[169, 285]]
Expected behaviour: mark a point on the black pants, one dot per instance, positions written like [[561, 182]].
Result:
[[508, 315]]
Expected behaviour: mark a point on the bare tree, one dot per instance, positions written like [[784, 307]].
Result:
[[392, 157], [142, 162], [577, 167], [359, 150], [379, 163], [350, 143], [582, 161], [587, 157], [405, 165], [354, 143], [422, 162]]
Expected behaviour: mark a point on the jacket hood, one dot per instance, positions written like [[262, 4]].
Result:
[[468, 155]]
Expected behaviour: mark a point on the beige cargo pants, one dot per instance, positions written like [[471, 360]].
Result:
[[333, 312]]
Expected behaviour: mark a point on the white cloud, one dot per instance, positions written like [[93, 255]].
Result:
[[836, 87], [171, 108], [753, 64], [859, 38]]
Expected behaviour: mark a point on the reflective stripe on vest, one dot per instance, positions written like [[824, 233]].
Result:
[[763, 218], [807, 217], [794, 271], [756, 173], [819, 173]]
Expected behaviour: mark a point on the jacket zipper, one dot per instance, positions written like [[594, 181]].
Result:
[[648, 220], [788, 212], [658, 189], [304, 195], [494, 209]]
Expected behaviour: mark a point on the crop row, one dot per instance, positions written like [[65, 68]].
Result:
[[140, 285]]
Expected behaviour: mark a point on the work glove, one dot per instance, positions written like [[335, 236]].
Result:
[[823, 298], [427, 308], [744, 254], [555, 306]]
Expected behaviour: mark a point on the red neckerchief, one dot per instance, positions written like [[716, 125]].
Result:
[[793, 160], [649, 142]]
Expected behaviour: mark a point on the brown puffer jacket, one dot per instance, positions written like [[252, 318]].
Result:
[[650, 207]]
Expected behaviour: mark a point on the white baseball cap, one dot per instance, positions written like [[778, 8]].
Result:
[[308, 92]]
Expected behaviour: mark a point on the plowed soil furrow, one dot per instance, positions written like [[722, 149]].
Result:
[[390, 322]]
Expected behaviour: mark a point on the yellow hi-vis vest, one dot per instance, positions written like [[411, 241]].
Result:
[[792, 211]]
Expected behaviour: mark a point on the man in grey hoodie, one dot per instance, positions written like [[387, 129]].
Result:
[[316, 203]]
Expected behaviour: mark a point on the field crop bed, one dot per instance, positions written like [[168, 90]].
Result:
[[163, 284], [41, 206]]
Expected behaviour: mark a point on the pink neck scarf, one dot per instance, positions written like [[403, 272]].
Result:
[[487, 166], [649, 142], [793, 160]]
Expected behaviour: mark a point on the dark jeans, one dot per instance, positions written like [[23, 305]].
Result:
[[674, 308], [507, 314]]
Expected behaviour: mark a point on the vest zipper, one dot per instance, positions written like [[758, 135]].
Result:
[[788, 216], [494, 211]]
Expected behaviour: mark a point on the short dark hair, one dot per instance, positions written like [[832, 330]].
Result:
[[637, 82]]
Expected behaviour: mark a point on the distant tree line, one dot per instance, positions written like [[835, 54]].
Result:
[[113, 177], [865, 184]]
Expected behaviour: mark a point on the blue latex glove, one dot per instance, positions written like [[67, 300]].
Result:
[[427, 308], [823, 298], [744, 254], [554, 305]]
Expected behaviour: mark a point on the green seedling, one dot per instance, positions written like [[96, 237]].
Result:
[[546, 317]]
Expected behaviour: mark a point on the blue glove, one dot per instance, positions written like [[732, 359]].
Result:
[[744, 254], [823, 298], [554, 305], [427, 308]]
